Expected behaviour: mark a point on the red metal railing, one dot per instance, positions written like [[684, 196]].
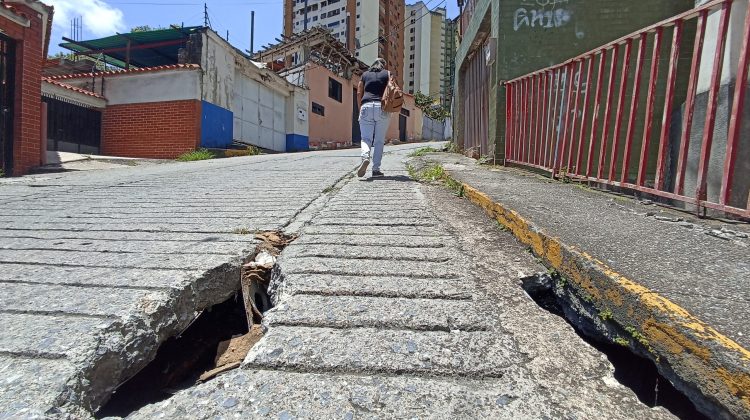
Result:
[[575, 120]]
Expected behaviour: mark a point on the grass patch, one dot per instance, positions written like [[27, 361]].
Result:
[[453, 148], [423, 151], [200, 154], [432, 173]]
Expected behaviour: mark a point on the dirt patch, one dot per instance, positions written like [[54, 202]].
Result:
[[231, 353]]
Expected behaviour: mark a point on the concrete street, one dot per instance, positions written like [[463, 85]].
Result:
[[398, 299]]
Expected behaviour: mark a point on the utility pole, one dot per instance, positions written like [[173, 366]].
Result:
[[305, 16], [252, 32]]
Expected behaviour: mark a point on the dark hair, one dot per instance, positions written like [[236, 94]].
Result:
[[378, 65]]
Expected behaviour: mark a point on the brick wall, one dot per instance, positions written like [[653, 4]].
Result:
[[27, 150], [158, 130]]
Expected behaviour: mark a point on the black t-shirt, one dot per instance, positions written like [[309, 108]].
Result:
[[375, 83]]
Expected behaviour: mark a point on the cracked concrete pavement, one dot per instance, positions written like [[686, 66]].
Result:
[[97, 269], [399, 300]]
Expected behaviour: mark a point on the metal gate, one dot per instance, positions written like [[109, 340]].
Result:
[[72, 127], [475, 79], [7, 83]]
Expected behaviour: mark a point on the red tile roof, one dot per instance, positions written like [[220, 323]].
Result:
[[51, 81], [125, 72]]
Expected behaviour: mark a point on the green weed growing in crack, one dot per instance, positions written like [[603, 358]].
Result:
[[621, 341], [637, 336], [242, 231], [330, 190], [423, 151], [501, 226], [433, 173], [605, 315]]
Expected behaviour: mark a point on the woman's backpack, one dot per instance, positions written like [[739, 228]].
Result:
[[393, 96]]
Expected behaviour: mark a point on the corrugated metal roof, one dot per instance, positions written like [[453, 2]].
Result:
[[147, 49]]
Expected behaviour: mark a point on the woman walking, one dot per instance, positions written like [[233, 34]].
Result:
[[373, 121]]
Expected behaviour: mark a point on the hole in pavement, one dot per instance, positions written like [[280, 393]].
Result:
[[631, 370], [215, 342]]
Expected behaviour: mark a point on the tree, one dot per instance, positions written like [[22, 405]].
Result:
[[147, 28], [430, 107]]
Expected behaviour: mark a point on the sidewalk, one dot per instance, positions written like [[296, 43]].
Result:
[[680, 282]]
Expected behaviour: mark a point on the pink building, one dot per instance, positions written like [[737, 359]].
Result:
[[334, 112]]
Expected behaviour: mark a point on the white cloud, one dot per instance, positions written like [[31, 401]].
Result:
[[99, 18]]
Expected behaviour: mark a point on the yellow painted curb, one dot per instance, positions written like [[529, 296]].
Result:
[[698, 353]]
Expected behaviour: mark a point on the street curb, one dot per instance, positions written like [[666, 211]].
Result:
[[714, 368]]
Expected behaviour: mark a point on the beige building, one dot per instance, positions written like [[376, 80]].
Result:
[[424, 50]]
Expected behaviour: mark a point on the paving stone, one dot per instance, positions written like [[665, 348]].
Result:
[[119, 246], [99, 302], [376, 351], [51, 335], [373, 240], [373, 230], [372, 267], [95, 276], [33, 387], [430, 254], [377, 312], [115, 260], [321, 284]]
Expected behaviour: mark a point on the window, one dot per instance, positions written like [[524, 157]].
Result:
[[334, 90], [318, 109], [411, 31]]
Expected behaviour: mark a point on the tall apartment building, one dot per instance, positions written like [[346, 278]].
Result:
[[370, 28], [424, 50]]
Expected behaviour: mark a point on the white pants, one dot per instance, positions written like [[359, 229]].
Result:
[[373, 124]]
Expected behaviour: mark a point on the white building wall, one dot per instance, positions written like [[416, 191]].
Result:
[[136, 88]]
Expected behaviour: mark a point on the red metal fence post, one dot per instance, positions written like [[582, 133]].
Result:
[[735, 122], [687, 126], [650, 100], [607, 110], [713, 96], [595, 113], [633, 108], [508, 121], [620, 110], [577, 82], [589, 72], [566, 121], [666, 121]]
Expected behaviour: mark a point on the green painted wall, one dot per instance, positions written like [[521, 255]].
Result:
[[531, 36]]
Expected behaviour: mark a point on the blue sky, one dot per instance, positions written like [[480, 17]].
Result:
[[105, 17]]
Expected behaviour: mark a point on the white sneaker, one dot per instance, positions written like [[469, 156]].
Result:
[[363, 167]]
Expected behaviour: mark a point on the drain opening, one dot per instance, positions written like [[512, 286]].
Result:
[[636, 372], [215, 342]]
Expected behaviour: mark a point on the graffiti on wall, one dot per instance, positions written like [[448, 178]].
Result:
[[542, 14]]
